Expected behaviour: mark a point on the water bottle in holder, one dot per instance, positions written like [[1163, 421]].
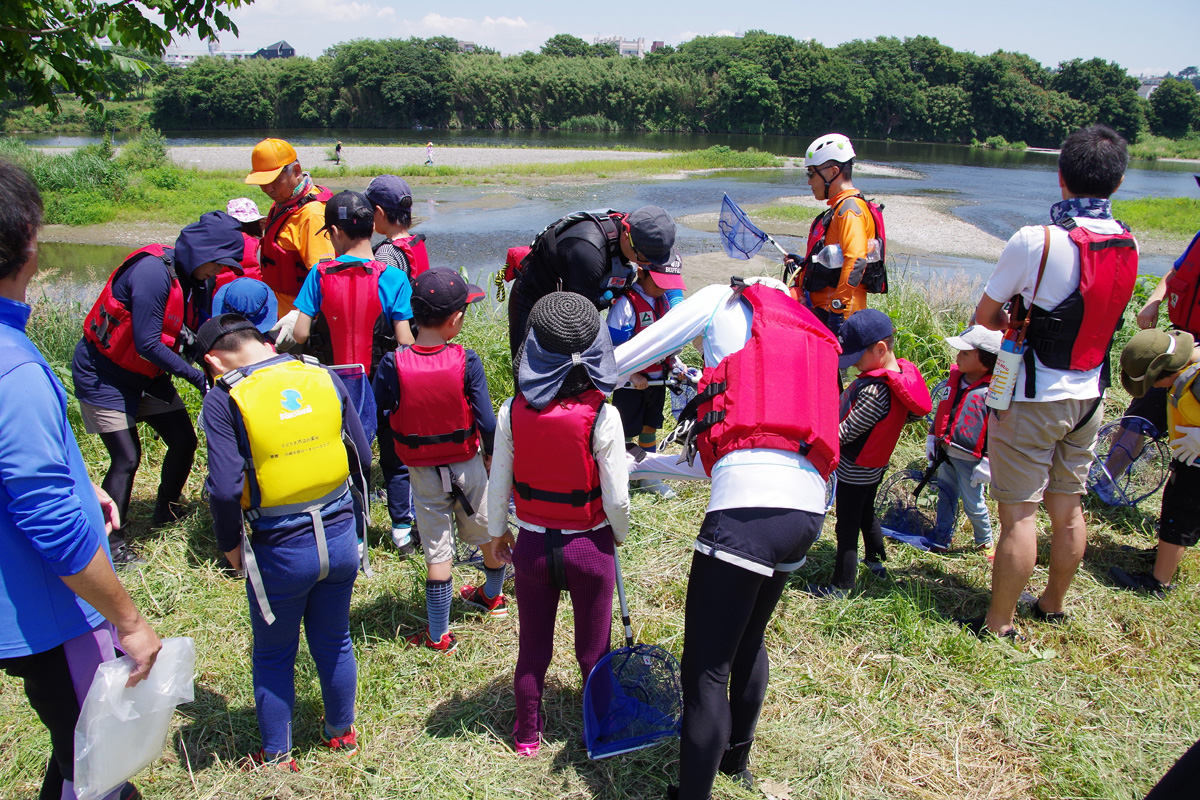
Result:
[[1012, 349]]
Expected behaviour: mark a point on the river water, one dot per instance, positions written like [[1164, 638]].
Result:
[[471, 227]]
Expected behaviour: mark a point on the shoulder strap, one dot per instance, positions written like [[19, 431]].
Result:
[[1023, 326]]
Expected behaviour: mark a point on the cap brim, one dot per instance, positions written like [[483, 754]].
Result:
[[474, 294], [248, 218], [959, 343], [263, 178], [233, 264], [667, 280], [847, 360]]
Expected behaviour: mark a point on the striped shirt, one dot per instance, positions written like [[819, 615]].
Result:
[[391, 254], [870, 407]]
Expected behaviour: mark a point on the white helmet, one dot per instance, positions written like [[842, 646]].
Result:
[[830, 147]]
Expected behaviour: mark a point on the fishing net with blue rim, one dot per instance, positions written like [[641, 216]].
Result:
[[911, 518], [632, 700], [1130, 463], [741, 238]]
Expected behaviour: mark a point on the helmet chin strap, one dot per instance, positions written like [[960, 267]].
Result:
[[830, 181]]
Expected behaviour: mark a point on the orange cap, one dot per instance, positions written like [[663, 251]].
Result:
[[269, 158]]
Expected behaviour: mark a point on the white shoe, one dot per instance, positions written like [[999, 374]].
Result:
[[361, 545], [656, 486], [402, 538]]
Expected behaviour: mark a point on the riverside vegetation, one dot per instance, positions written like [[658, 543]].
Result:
[[876, 696], [913, 89]]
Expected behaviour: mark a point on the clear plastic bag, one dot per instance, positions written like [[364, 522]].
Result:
[[122, 729]]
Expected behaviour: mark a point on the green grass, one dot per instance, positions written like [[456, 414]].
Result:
[[1151, 147], [1175, 216], [878, 696]]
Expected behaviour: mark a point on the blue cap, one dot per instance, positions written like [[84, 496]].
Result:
[[253, 299], [390, 192], [859, 332]]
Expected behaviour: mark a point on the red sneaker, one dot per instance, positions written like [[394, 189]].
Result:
[[496, 607], [446, 644], [258, 760], [347, 743]]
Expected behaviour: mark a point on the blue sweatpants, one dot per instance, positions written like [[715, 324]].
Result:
[[289, 573]]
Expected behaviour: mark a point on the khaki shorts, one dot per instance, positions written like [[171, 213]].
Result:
[[435, 505], [105, 420], [1036, 448]]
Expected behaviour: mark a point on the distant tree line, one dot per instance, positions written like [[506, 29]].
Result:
[[913, 88]]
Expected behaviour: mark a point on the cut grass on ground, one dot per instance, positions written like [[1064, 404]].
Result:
[[877, 696]]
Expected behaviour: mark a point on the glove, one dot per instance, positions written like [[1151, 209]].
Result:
[[1187, 447], [930, 448], [982, 473], [282, 332]]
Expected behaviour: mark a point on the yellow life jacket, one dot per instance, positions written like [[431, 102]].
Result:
[[298, 463], [1183, 406], [293, 421]]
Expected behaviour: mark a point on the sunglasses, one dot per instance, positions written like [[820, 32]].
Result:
[[637, 257]]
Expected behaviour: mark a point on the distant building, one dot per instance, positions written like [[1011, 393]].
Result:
[[654, 48], [280, 49], [625, 47], [466, 47], [1148, 86], [174, 57]]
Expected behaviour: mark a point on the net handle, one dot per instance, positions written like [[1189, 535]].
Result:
[[624, 603]]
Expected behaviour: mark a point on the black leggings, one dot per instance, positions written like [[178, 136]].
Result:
[[724, 667], [855, 512], [125, 453]]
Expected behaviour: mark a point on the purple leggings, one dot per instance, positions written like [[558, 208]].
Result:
[[56, 683], [588, 561]]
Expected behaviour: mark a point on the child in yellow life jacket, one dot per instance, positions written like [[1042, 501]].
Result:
[[560, 455], [435, 397], [284, 446], [888, 392], [641, 403], [957, 441], [1169, 359]]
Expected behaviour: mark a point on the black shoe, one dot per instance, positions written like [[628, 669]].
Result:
[[167, 513], [1140, 582], [978, 627], [1060, 618], [129, 792], [123, 556], [735, 763]]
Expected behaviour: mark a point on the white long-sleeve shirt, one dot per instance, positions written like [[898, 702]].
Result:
[[751, 478], [608, 446]]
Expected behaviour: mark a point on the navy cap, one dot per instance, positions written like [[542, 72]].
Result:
[[860, 331], [218, 326], [439, 292], [390, 192], [252, 299], [348, 210], [652, 231]]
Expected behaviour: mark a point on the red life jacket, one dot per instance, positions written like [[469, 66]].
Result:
[[1079, 332], [433, 424], [556, 480], [909, 395], [350, 305], [962, 415], [413, 248], [777, 391], [250, 268], [1183, 299], [109, 325], [815, 276], [284, 270], [645, 315]]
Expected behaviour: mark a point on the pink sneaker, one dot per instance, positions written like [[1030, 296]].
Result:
[[526, 749]]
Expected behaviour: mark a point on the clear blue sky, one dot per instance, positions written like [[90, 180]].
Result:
[[1163, 39]]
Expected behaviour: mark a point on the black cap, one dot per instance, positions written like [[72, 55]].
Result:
[[218, 326], [652, 231], [349, 210], [390, 192], [439, 292], [862, 330]]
